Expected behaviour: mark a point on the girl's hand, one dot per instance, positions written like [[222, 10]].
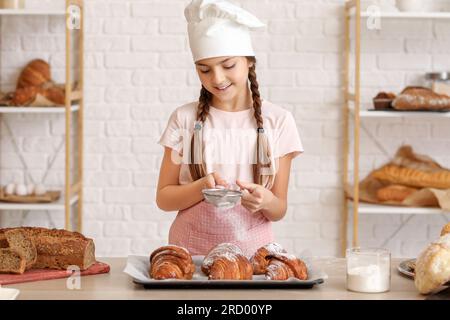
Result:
[[254, 196], [212, 180]]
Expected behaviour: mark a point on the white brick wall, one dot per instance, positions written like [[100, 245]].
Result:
[[139, 69]]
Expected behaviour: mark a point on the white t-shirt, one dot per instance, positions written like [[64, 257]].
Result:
[[229, 139]]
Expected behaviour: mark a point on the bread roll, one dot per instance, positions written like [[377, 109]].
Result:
[[394, 192], [35, 74], [446, 229], [433, 266]]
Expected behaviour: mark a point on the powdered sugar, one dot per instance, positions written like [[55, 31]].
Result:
[[227, 250], [274, 248]]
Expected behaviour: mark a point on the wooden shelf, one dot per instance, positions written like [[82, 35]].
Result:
[[24, 12], [58, 205], [367, 208], [408, 15], [37, 109], [400, 114]]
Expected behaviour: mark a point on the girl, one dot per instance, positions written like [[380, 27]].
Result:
[[230, 137]]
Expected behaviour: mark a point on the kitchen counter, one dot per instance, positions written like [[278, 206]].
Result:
[[118, 285]]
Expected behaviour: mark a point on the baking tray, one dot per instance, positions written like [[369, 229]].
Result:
[[137, 267]]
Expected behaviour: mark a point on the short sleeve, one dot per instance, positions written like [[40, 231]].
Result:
[[288, 139], [172, 136]]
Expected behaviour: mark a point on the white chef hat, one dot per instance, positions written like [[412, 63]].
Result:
[[219, 28]]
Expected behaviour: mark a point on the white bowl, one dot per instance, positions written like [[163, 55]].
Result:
[[9, 294]]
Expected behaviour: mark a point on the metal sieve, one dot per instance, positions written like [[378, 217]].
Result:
[[222, 198]]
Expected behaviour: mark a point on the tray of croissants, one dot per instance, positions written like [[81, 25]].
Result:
[[224, 266]]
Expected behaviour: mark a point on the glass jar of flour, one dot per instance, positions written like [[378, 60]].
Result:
[[439, 82], [368, 270]]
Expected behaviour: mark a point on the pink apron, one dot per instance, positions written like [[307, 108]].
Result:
[[201, 227]]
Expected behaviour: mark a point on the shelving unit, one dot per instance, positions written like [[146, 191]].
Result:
[[352, 110], [74, 105]]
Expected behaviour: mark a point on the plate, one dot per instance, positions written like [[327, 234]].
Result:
[[9, 294], [406, 267], [137, 267]]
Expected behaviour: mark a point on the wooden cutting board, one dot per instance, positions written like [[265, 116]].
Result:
[[48, 274]]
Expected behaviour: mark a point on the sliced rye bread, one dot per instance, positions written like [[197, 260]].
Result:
[[57, 249], [19, 241], [11, 261]]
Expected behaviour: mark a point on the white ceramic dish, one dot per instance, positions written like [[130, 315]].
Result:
[[9, 294]]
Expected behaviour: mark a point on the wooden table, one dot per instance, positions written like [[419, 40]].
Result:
[[118, 285]]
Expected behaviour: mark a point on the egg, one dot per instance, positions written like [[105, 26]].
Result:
[[10, 188], [21, 190], [40, 189], [30, 188]]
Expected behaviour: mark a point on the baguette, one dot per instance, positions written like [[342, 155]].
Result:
[[413, 178]]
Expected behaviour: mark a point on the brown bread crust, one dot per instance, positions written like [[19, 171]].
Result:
[[414, 178], [58, 249]]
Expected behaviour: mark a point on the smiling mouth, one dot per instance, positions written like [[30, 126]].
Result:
[[223, 88]]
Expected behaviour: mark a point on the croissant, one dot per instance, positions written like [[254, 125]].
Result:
[[414, 178], [259, 260], [227, 262], [171, 262], [283, 266]]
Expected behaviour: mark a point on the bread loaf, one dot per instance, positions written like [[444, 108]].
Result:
[[420, 98], [433, 266], [19, 241], [394, 192], [414, 178], [36, 73], [11, 261], [25, 96], [58, 249]]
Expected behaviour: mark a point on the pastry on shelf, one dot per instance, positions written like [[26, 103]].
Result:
[[421, 98], [394, 192], [227, 262], [260, 260], [283, 266], [35, 87], [171, 262], [383, 100], [35, 74], [413, 178]]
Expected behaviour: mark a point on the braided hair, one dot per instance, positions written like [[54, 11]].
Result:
[[261, 169]]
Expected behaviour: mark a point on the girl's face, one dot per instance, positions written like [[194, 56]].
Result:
[[225, 77]]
